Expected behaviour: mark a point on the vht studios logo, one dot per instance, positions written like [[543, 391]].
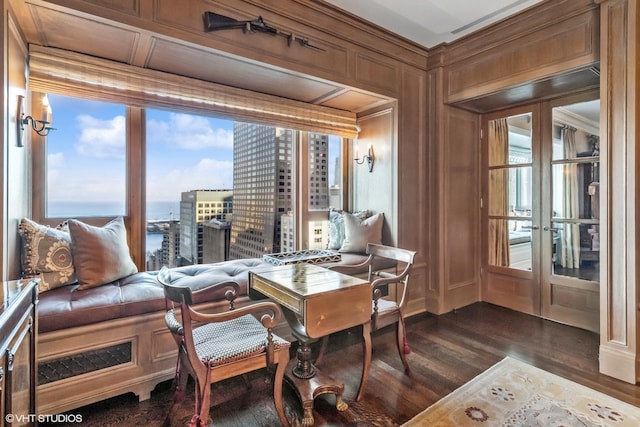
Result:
[[42, 418]]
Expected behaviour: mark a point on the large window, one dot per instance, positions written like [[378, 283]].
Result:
[[85, 159], [205, 189], [221, 189]]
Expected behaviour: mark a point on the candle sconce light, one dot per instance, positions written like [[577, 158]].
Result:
[[41, 127], [369, 157]]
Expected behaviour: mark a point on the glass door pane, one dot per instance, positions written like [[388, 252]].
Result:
[[510, 192], [575, 192]]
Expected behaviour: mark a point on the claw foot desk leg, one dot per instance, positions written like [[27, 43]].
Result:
[[307, 418]]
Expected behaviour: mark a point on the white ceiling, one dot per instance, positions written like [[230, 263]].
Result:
[[431, 22]]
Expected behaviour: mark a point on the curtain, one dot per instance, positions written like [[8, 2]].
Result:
[[498, 140], [570, 254], [69, 73]]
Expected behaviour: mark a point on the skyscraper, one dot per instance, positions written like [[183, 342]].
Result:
[[318, 171], [197, 207], [262, 188]]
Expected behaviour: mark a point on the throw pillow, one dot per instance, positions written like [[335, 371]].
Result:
[[46, 253], [100, 254], [336, 227], [357, 233]]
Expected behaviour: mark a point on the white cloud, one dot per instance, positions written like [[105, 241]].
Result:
[[189, 132], [103, 139], [56, 161], [206, 174]]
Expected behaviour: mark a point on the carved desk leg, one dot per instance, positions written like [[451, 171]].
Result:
[[306, 379]]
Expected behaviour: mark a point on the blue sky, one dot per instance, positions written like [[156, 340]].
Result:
[[86, 152]]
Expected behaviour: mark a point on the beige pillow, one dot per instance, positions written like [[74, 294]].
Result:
[[336, 227], [100, 254], [357, 233], [46, 253]]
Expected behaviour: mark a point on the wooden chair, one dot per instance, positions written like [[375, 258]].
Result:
[[214, 347], [384, 312]]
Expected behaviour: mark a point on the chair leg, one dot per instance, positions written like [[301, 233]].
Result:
[[366, 359], [277, 388], [203, 403], [403, 345]]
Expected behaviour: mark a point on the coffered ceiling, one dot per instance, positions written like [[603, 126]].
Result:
[[426, 22]]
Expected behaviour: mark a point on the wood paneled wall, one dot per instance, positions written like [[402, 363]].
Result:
[[433, 156], [540, 54], [380, 65], [15, 189], [620, 172]]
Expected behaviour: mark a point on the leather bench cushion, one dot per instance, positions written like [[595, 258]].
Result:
[[139, 293]]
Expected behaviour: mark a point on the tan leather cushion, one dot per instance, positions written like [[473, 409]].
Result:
[[140, 293]]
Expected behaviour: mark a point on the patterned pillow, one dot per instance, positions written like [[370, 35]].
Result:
[[46, 253], [336, 227]]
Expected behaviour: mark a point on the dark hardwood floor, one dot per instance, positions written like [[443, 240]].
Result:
[[447, 351]]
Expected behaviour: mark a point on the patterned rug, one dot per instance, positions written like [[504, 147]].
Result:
[[513, 393]]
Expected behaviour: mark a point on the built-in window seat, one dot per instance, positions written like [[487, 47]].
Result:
[[105, 341]]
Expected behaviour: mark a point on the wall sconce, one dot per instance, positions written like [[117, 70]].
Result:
[[368, 157], [41, 127]]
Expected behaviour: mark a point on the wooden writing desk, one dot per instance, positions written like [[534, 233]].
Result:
[[317, 302]]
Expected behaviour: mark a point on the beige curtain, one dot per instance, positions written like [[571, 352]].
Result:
[[570, 255], [69, 73], [498, 192]]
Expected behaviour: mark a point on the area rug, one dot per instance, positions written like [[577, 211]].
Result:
[[513, 393]]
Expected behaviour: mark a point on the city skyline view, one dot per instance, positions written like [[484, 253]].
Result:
[[86, 152], [86, 165], [184, 152]]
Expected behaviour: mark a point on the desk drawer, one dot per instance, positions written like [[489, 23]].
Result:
[[292, 302]]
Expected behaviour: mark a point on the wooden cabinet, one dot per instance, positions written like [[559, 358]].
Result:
[[18, 373]]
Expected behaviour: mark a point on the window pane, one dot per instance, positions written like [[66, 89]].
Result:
[[219, 190], [571, 142], [510, 243], [510, 191], [510, 140], [335, 172], [318, 184], [575, 193], [86, 170], [263, 190], [576, 250], [189, 188]]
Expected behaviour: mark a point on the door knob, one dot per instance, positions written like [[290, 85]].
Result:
[[552, 229]]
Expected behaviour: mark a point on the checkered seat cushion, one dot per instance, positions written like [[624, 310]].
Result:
[[224, 342]]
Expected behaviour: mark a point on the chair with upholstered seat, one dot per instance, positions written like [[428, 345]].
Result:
[[214, 347], [384, 311]]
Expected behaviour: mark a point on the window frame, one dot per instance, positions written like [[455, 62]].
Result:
[[135, 197]]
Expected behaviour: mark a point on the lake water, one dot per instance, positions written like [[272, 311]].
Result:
[[155, 211]]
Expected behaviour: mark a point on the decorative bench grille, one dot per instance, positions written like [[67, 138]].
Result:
[[82, 363]]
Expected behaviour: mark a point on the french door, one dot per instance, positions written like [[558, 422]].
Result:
[[541, 210]]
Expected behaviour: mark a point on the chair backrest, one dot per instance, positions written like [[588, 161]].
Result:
[[177, 294], [401, 255]]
